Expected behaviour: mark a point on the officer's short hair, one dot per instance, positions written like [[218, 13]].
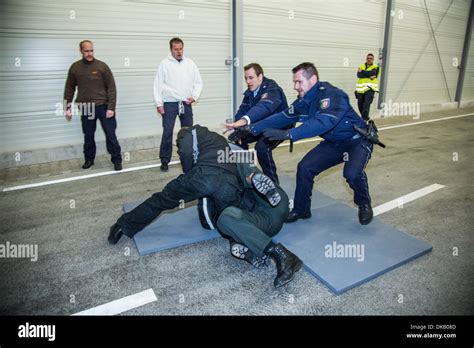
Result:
[[370, 55], [176, 40], [83, 42], [308, 70], [258, 69]]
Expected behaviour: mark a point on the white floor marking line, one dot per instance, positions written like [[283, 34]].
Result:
[[82, 177], [122, 305], [380, 129], [401, 201], [45, 183]]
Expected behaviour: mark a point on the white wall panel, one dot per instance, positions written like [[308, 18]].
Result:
[[45, 35], [334, 35], [416, 72]]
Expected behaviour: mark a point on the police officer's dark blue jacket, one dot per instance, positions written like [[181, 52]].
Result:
[[324, 110], [270, 99]]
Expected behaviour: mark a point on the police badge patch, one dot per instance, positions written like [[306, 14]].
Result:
[[324, 103]]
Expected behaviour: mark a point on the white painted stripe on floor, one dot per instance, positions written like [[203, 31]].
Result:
[[122, 305], [380, 129], [45, 183], [401, 201], [82, 177]]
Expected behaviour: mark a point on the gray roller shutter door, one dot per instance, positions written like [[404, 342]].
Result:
[[281, 34], [130, 36]]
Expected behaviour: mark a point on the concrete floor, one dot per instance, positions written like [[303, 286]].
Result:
[[76, 262]]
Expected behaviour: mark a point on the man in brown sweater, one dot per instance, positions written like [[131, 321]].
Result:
[[96, 99]]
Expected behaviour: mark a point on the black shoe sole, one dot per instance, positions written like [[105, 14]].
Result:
[[241, 252], [264, 185]]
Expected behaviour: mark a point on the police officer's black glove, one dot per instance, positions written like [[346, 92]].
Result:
[[239, 133], [276, 134]]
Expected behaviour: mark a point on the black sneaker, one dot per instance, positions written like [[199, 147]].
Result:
[[164, 167], [88, 164], [264, 185], [118, 166], [241, 252]]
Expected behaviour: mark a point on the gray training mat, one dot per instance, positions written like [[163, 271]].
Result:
[[171, 229], [182, 227], [334, 247], [343, 254]]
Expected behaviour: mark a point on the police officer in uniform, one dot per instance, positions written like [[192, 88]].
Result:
[[249, 208], [324, 111], [367, 85], [262, 98]]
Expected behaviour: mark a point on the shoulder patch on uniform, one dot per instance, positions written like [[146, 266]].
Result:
[[324, 103]]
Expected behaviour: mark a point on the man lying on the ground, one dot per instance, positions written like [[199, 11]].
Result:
[[249, 207]]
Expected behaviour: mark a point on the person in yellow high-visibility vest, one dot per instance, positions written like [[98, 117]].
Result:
[[368, 74]]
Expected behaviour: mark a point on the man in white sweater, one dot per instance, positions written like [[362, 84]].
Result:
[[177, 86]]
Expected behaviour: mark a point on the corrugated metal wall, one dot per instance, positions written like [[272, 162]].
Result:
[[335, 35], [468, 90], [42, 38], [39, 42], [418, 71]]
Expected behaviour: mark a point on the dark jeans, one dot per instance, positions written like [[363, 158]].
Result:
[[216, 183], [89, 125], [168, 121], [264, 148], [363, 102], [354, 153]]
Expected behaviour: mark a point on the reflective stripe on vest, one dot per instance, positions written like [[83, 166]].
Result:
[[364, 84]]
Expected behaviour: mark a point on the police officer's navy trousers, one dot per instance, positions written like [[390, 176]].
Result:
[[264, 148], [354, 153]]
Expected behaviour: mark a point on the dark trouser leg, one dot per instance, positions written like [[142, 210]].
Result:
[[198, 183], [168, 121], [368, 98], [354, 170], [109, 125], [264, 148], [360, 103], [186, 120], [322, 157], [254, 229], [89, 124]]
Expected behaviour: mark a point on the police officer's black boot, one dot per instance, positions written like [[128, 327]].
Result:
[[287, 263], [365, 214]]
